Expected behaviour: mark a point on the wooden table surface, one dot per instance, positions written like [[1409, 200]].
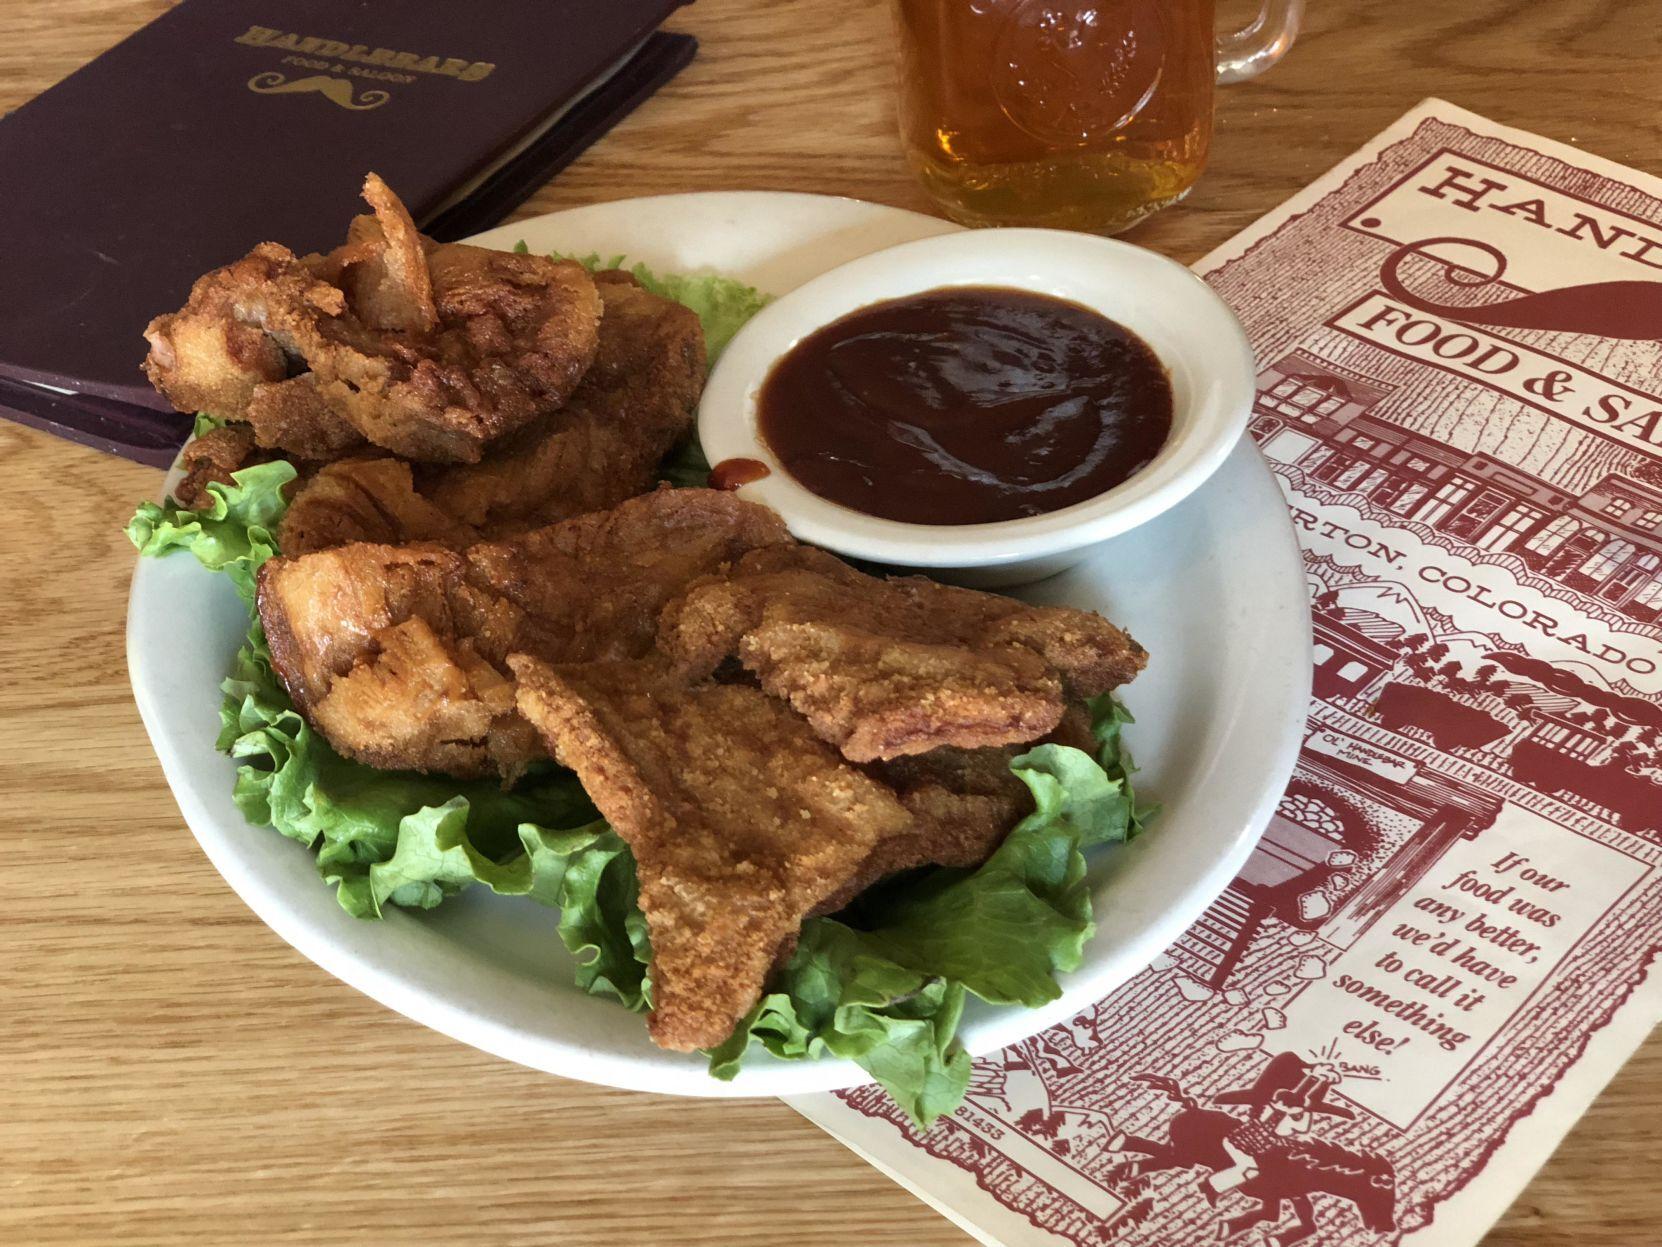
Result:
[[172, 1072]]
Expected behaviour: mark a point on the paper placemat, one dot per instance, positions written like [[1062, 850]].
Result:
[[1438, 954]]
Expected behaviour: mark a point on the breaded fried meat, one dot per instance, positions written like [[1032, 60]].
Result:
[[397, 654], [884, 668], [741, 821], [429, 350]]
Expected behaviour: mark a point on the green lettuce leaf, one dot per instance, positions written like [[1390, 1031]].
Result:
[[429, 835], [232, 535], [1108, 720], [1007, 929], [842, 995], [434, 856], [601, 922]]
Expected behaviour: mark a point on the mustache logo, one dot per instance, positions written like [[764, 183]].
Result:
[[1611, 309], [337, 91]]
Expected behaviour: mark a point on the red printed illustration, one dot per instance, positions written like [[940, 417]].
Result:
[[1461, 397], [1272, 1156]]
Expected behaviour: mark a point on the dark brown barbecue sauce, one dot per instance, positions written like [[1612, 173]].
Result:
[[966, 405], [731, 474]]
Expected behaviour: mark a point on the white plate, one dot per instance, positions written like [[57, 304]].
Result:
[[1214, 588]]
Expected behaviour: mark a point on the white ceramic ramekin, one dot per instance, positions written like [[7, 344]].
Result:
[[1191, 330]]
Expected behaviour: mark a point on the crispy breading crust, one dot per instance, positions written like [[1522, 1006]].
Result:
[[396, 658], [210, 459], [232, 348], [883, 697], [364, 499], [634, 405], [604, 445], [884, 668], [428, 350], [384, 265], [964, 801], [397, 654], [742, 822]]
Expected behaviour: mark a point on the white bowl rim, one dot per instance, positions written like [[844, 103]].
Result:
[[1215, 357]]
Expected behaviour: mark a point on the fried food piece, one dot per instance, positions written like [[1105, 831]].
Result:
[[594, 586], [384, 265], [210, 459], [635, 402], [394, 655], [876, 696], [239, 341], [741, 820], [292, 416], [397, 655], [885, 668], [364, 499], [515, 334], [429, 350], [964, 802]]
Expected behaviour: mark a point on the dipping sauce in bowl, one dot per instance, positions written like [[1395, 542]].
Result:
[[966, 405]]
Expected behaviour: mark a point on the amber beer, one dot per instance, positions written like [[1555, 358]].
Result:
[[1080, 116]]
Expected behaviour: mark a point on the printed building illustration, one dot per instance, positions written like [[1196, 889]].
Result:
[[1305, 870], [1606, 543], [1590, 748], [1350, 657]]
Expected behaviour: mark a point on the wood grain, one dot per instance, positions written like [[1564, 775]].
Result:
[[171, 1072]]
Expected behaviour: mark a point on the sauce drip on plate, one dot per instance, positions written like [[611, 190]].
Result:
[[966, 405], [730, 474]]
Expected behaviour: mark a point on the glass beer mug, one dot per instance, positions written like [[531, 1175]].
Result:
[[1085, 116]]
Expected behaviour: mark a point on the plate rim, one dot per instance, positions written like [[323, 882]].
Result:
[[761, 1075]]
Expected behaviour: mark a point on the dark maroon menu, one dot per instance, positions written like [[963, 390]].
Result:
[[228, 122]]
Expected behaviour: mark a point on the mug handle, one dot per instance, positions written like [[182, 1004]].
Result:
[[1250, 51]]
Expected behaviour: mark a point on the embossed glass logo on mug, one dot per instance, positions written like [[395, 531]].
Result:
[[1080, 116]]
